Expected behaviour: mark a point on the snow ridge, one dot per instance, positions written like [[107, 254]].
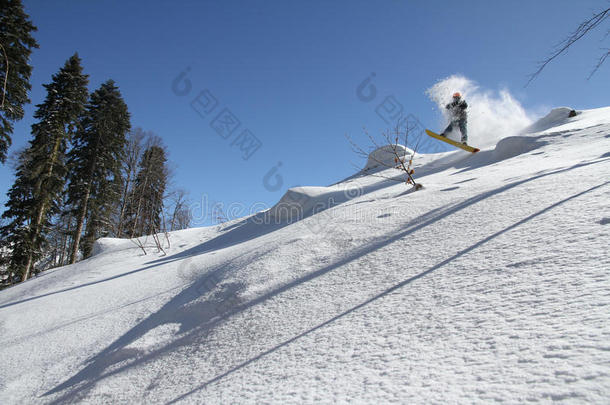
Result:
[[488, 285]]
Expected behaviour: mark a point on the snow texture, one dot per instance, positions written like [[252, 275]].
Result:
[[490, 284], [383, 157], [558, 116]]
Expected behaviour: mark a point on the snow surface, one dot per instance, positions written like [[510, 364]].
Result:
[[384, 156], [491, 284], [558, 116]]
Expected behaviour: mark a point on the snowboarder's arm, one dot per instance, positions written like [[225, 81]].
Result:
[[463, 105]]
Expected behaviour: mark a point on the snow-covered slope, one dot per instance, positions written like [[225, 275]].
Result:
[[490, 284]]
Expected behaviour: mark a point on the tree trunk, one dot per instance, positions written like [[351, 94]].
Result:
[[135, 222], [26, 272], [80, 220], [42, 209], [123, 206], [64, 230]]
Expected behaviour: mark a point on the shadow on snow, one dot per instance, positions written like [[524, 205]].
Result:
[[197, 318], [256, 225]]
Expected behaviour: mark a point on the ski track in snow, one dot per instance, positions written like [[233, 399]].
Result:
[[489, 285]]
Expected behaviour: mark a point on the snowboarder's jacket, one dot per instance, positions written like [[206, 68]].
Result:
[[457, 108]]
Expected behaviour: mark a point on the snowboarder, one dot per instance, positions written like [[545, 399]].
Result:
[[459, 117]]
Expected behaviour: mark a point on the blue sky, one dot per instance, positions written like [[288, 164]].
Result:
[[288, 72]]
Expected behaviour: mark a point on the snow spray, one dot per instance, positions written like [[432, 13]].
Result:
[[491, 115]]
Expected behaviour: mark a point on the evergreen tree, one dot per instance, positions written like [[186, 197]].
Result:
[[14, 234], [58, 236], [42, 171], [16, 44], [146, 204], [95, 162], [101, 210]]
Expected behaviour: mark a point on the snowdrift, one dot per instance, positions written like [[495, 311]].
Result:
[[383, 157], [300, 202], [490, 284], [108, 245], [561, 121], [557, 116], [516, 145]]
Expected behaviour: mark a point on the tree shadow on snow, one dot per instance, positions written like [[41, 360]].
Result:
[[198, 309], [248, 229], [260, 224], [382, 294]]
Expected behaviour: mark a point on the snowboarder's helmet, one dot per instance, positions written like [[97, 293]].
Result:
[[457, 95]]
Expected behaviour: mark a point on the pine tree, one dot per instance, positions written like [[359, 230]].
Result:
[[16, 44], [37, 191], [146, 204], [95, 162], [15, 232]]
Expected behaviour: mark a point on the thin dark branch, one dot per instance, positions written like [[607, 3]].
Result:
[[600, 62], [584, 28], [403, 160], [355, 147], [139, 244]]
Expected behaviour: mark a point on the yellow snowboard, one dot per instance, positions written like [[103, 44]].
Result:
[[452, 142]]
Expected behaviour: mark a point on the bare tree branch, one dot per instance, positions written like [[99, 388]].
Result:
[[140, 244], [400, 161], [600, 62], [583, 29]]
